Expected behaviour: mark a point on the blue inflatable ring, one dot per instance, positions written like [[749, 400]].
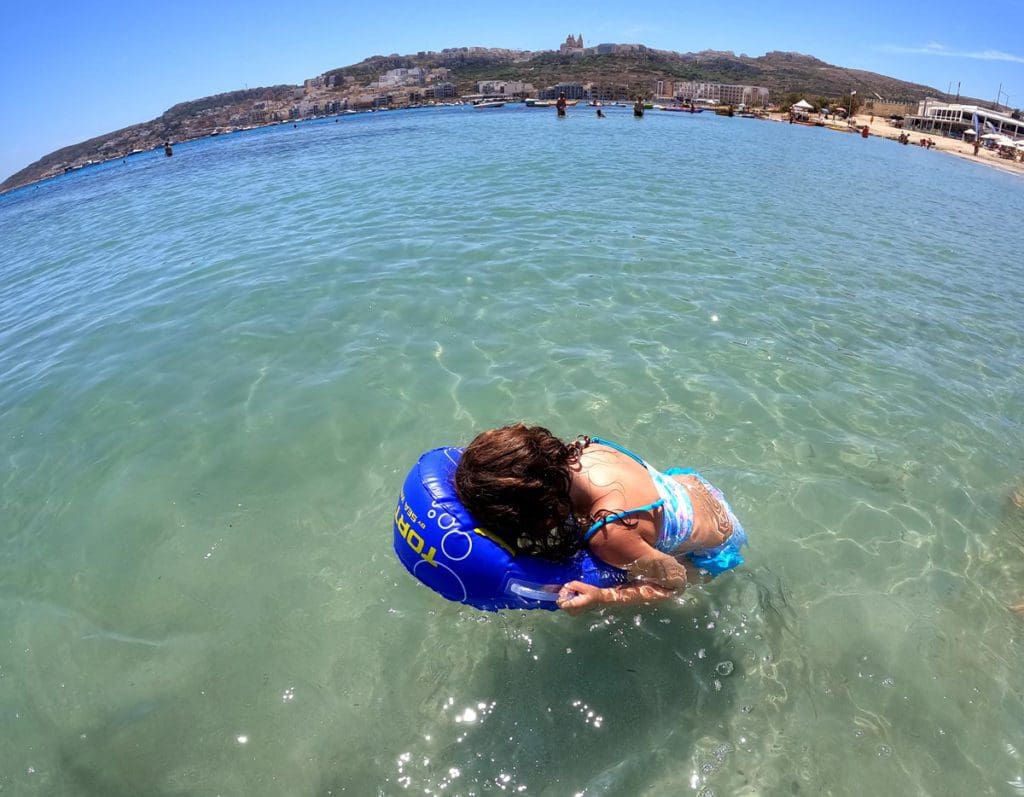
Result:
[[441, 545]]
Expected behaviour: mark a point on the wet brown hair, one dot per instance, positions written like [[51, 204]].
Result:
[[515, 482]]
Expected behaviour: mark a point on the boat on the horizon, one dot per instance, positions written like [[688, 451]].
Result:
[[489, 104], [535, 103]]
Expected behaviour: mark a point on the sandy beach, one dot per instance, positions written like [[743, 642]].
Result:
[[881, 127]]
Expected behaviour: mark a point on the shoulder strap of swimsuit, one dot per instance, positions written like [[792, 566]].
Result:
[[619, 516], [600, 524], [601, 441]]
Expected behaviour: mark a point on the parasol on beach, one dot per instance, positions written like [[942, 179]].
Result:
[[997, 137]]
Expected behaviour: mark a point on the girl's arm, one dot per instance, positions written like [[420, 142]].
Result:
[[576, 597], [624, 548]]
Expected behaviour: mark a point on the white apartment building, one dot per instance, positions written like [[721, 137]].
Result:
[[719, 93], [503, 88]]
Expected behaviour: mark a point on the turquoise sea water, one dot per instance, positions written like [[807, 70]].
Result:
[[216, 369]]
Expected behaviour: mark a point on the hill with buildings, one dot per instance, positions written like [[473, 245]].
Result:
[[631, 69], [606, 71]]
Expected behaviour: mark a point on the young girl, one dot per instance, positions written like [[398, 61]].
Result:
[[546, 498]]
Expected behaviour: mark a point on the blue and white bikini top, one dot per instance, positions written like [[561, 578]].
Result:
[[674, 501]]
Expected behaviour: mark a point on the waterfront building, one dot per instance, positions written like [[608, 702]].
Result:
[[442, 90], [512, 89], [950, 118], [572, 91], [720, 93]]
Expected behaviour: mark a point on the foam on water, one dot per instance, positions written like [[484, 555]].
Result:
[[215, 370]]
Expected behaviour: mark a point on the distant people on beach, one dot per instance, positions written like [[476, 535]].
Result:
[[167, 149], [560, 104], [977, 144], [638, 107]]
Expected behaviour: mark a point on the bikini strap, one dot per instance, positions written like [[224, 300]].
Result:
[[601, 441], [600, 524]]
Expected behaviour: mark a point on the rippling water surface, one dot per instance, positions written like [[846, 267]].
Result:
[[216, 369]]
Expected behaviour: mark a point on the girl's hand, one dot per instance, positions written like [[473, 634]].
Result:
[[576, 597]]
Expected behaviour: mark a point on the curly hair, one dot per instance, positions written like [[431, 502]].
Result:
[[515, 482]]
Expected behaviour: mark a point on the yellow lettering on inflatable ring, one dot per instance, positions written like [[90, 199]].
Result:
[[495, 539], [414, 540]]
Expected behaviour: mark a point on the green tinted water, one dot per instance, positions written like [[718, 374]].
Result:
[[216, 369]]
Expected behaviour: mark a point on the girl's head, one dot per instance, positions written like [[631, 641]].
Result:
[[515, 481]]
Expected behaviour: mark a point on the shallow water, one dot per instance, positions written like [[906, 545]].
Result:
[[216, 369]]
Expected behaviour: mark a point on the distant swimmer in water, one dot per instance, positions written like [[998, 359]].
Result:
[[638, 107], [560, 104], [550, 499], [167, 149], [600, 113]]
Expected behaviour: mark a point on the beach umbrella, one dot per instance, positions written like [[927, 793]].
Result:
[[839, 108], [803, 105], [994, 137]]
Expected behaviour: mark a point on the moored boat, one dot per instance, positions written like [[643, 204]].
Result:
[[535, 103]]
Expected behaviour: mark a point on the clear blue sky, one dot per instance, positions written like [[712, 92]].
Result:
[[70, 71]]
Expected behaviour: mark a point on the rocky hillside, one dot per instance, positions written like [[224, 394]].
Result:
[[781, 72], [180, 122]]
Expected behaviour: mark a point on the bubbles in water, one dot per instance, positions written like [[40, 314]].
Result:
[[469, 715], [883, 751], [724, 668], [888, 683], [288, 695]]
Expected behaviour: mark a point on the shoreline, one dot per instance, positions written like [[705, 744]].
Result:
[[881, 128], [878, 126]]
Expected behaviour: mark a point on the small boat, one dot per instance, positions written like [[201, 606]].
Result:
[[489, 104], [534, 103], [681, 109]]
